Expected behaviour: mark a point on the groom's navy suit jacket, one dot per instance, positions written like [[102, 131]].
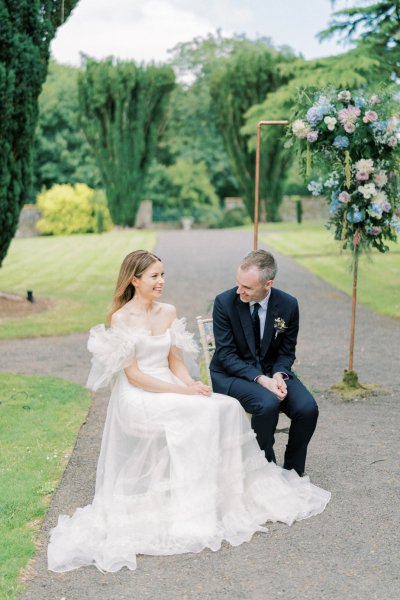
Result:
[[235, 354]]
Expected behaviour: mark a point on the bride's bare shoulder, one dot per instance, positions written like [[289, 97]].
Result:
[[168, 310], [120, 317]]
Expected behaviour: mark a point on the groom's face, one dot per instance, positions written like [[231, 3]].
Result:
[[250, 288]]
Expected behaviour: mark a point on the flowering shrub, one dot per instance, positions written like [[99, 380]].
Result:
[[351, 141]]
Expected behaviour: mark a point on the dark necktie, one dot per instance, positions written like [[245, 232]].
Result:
[[256, 324]]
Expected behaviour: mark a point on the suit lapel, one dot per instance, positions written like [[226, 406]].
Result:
[[247, 325], [272, 313]]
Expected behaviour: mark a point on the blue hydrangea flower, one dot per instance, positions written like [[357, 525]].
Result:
[[331, 182], [316, 113], [359, 102], [395, 223], [341, 141], [315, 187], [356, 215], [313, 116], [375, 210], [396, 96], [379, 125], [334, 205]]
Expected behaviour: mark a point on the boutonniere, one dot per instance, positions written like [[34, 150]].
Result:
[[279, 326]]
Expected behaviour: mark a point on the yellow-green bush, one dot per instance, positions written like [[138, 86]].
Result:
[[67, 209]]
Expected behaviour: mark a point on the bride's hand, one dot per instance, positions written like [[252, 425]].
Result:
[[199, 388]]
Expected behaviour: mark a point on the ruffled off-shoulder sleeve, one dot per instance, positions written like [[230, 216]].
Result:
[[183, 340], [113, 349]]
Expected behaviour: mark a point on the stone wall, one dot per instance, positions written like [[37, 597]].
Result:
[[315, 208], [28, 218]]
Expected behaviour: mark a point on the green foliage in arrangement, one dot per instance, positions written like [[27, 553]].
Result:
[[62, 154], [67, 209], [349, 142], [39, 421], [26, 31], [122, 108], [182, 189], [346, 70]]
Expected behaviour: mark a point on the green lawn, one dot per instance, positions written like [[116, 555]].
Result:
[[78, 272], [39, 421], [314, 248]]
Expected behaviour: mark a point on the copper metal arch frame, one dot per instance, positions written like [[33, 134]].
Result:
[[257, 185]]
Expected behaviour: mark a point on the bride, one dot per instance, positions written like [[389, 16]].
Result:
[[179, 469]]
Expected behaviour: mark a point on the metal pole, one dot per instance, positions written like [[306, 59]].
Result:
[[353, 308], [257, 188], [257, 182]]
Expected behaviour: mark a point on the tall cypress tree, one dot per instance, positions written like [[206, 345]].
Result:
[[236, 84], [122, 108], [27, 28]]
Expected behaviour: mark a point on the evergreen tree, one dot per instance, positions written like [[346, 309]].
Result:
[[122, 108], [374, 27], [237, 83], [191, 134], [27, 28], [62, 154]]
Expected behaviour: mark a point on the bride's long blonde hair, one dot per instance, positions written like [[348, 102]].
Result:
[[133, 265]]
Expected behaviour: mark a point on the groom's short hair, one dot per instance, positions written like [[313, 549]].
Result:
[[264, 261]]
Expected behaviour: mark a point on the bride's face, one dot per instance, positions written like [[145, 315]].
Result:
[[150, 285]]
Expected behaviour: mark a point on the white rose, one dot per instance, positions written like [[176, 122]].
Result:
[[380, 179], [367, 190], [300, 129], [330, 122], [365, 164]]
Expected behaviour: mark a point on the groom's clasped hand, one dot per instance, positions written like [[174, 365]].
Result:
[[275, 384]]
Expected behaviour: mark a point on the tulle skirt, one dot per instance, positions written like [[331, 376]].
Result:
[[177, 474]]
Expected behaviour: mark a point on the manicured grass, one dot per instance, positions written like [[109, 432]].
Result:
[[314, 248], [78, 272], [39, 421]]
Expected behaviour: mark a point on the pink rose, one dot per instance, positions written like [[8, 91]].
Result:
[[349, 127], [375, 99], [376, 230], [392, 141], [370, 116], [362, 175], [312, 136], [344, 197]]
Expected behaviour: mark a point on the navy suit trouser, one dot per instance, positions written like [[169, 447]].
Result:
[[264, 406]]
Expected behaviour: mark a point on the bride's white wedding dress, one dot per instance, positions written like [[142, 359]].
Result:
[[176, 473]]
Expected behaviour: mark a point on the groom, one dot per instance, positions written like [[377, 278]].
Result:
[[255, 328]]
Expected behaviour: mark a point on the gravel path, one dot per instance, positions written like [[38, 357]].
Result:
[[351, 551]]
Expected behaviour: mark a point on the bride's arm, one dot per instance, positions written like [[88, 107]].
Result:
[[151, 384], [178, 368]]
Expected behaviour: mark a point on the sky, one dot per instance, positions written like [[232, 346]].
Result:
[[144, 30]]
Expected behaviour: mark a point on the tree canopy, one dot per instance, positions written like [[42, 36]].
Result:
[[374, 27], [353, 69], [27, 28], [239, 82], [123, 107], [62, 154]]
